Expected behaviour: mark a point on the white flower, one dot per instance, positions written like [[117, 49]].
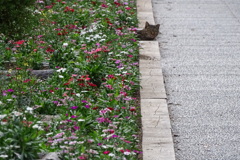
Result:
[[76, 69], [49, 133], [3, 156], [72, 142], [15, 113], [65, 44], [61, 70], [2, 116], [37, 127], [29, 108], [1, 102], [78, 95], [81, 120], [127, 153], [111, 155], [9, 100], [60, 76]]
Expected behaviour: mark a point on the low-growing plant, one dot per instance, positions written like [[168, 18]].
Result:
[[19, 137], [90, 97]]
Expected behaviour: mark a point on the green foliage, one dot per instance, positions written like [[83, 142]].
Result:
[[16, 17], [20, 138]]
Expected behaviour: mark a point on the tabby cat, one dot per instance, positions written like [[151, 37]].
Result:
[[150, 32]]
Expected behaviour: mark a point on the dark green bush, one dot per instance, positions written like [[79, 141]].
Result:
[[16, 17]]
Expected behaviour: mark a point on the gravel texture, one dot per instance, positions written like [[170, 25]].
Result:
[[200, 50]]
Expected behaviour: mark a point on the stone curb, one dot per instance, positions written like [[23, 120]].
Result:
[[157, 141]]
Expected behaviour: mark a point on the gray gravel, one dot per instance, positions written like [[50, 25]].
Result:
[[200, 50]]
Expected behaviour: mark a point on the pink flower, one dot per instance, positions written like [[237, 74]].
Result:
[[104, 6], [82, 157], [127, 141], [49, 7]]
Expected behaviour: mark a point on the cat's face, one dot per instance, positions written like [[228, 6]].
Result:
[[154, 28]]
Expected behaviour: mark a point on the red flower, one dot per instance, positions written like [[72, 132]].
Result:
[[81, 84], [110, 108], [27, 80], [94, 108], [132, 109], [118, 4], [68, 9], [111, 131], [19, 42], [50, 50], [91, 84]]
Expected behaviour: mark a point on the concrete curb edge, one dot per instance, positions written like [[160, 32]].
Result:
[[157, 141]]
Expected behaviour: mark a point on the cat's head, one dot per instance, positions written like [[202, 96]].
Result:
[[152, 27]]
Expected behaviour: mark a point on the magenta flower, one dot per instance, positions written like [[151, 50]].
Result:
[[106, 152], [10, 90], [81, 157], [115, 136], [73, 116], [74, 107], [76, 127]]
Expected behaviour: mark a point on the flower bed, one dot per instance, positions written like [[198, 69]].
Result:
[[91, 50]]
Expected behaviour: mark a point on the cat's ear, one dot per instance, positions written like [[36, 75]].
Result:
[[147, 24], [158, 25]]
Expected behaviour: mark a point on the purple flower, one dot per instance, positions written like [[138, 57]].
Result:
[[87, 106], [55, 102], [84, 101], [117, 61]]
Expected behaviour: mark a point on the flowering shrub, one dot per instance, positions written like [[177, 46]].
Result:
[[91, 95]]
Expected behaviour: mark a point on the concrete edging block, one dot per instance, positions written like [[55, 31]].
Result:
[[157, 141]]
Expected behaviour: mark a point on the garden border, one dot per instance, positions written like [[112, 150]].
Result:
[[157, 141]]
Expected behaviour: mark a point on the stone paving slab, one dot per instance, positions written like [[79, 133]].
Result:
[[144, 12], [157, 140]]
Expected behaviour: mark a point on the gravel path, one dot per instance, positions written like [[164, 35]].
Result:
[[200, 49]]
